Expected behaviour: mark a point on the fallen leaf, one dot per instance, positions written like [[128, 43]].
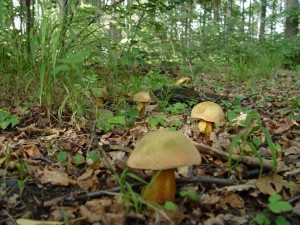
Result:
[[233, 199], [270, 184], [32, 151], [55, 177]]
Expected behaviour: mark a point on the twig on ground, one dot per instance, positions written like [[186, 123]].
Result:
[[248, 160], [206, 180], [101, 150]]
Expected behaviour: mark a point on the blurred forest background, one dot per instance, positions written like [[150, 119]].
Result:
[[56, 53]]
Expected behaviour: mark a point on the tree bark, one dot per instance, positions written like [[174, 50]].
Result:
[[292, 15], [262, 19]]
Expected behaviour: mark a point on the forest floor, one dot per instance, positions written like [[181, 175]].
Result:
[[57, 172]]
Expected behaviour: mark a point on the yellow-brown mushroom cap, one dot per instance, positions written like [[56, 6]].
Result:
[[142, 96], [103, 92], [208, 111], [161, 150], [183, 80]]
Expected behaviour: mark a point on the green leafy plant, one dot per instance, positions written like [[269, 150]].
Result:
[[246, 139], [177, 108], [6, 119], [157, 120], [109, 122], [276, 206]]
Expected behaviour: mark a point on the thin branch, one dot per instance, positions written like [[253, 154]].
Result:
[[248, 160]]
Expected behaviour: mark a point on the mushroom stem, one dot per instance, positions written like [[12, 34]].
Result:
[[141, 108], [206, 127], [100, 102], [161, 188]]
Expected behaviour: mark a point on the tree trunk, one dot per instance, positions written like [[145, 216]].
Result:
[[216, 11], [229, 15], [292, 15], [262, 19]]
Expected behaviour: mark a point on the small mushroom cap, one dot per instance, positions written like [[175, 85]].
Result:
[[208, 111], [103, 92], [161, 150], [142, 96], [183, 81]]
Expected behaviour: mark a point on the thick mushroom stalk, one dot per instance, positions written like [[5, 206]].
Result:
[[141, 107], [161, 188]]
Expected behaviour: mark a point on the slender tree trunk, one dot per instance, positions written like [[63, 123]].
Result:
[[229, 15], [216, 11], [262, 19], [273, 17], [243, 16], [292, 18]]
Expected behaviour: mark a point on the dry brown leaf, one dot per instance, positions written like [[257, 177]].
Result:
[[102, 210], [32, 151], [89, 172], [233, 199], [270, 184], [89, 184], [55, 177]]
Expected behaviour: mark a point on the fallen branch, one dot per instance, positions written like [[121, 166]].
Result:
[[248, 160]]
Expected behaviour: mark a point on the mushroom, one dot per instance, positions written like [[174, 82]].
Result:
[[101, 96], [163, 151], [183, 81], [142, 98], [209, 113]]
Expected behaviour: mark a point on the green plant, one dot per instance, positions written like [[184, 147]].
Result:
[[156, 120], [246, 139], [130, 196], [276, 206], [6, 119], [177, 108], [109, 122]]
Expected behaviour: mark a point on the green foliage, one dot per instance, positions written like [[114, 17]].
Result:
[[157, 120], [190, 194], [278, 206], [275, 206], [62, 156], [170, 206], [78, 159], [6, 119], [109, 122], [94, 156], [177, 108], [247, 140]]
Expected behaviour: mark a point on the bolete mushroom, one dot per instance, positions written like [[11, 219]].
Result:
[[142, 98], [101, 96], [162, 152], [209, 113], [183, 81]]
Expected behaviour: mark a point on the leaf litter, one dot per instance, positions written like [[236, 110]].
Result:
[[42, 166]]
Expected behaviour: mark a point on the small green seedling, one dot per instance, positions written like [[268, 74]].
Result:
[[62, 156], [276, 205], [6, 119], [190, 194]]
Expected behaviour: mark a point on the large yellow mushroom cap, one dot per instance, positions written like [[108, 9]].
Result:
[[142, 96], [208, 111], [161, 150]]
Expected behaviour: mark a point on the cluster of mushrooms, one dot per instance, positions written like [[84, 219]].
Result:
[[163, 151]]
